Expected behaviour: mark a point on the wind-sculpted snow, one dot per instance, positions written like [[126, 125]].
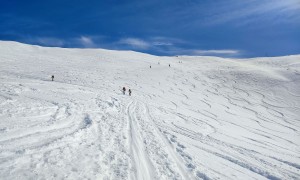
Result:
[[204, 118]]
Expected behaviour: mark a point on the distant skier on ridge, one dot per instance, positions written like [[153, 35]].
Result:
[[52, 77], [124, 90]]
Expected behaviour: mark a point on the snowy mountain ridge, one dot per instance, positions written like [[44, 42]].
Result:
[[204, 118]]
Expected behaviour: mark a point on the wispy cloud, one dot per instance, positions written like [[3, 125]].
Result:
[[151, 44], [173, 50], [244, 12], [80, 42], [87, 42], [159, 43], [215, 52], [174, 46], [165, 41], [135, 43], [156, 45], [276, 10]]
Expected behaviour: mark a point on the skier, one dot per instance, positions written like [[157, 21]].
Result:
[[169, 65], [52, 77], [150, 67], [129, 92], [124, 90]]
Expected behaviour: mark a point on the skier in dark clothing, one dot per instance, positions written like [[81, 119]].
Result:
[[129, 92], [124, 90], [52, 77]]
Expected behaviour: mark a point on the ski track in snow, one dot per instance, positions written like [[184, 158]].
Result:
[[204, 118]]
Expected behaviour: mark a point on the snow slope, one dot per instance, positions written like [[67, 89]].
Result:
[[204, 118]]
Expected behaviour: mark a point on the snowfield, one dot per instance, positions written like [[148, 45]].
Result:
[[204, 118]]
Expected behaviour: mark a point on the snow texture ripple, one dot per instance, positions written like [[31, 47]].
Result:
[[204, 118]]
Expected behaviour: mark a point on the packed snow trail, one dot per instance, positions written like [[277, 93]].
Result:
[[204, 118], [141, 162]]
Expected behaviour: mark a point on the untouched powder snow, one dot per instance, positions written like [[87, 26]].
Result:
[[204, 118]]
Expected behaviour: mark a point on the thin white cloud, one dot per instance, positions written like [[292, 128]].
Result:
[[171, 46], [79, 42], [250, 11], [167, 41], [172, 50], [211, 52], [135, 43], [87, 42], [162, 43]]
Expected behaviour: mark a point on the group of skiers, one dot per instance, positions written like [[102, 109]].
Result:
[[159, 64], [124, 91]]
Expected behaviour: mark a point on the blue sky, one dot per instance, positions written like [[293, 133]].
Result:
[[227, 28]]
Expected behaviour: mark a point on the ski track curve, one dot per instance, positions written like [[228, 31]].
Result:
[[151, 152]]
